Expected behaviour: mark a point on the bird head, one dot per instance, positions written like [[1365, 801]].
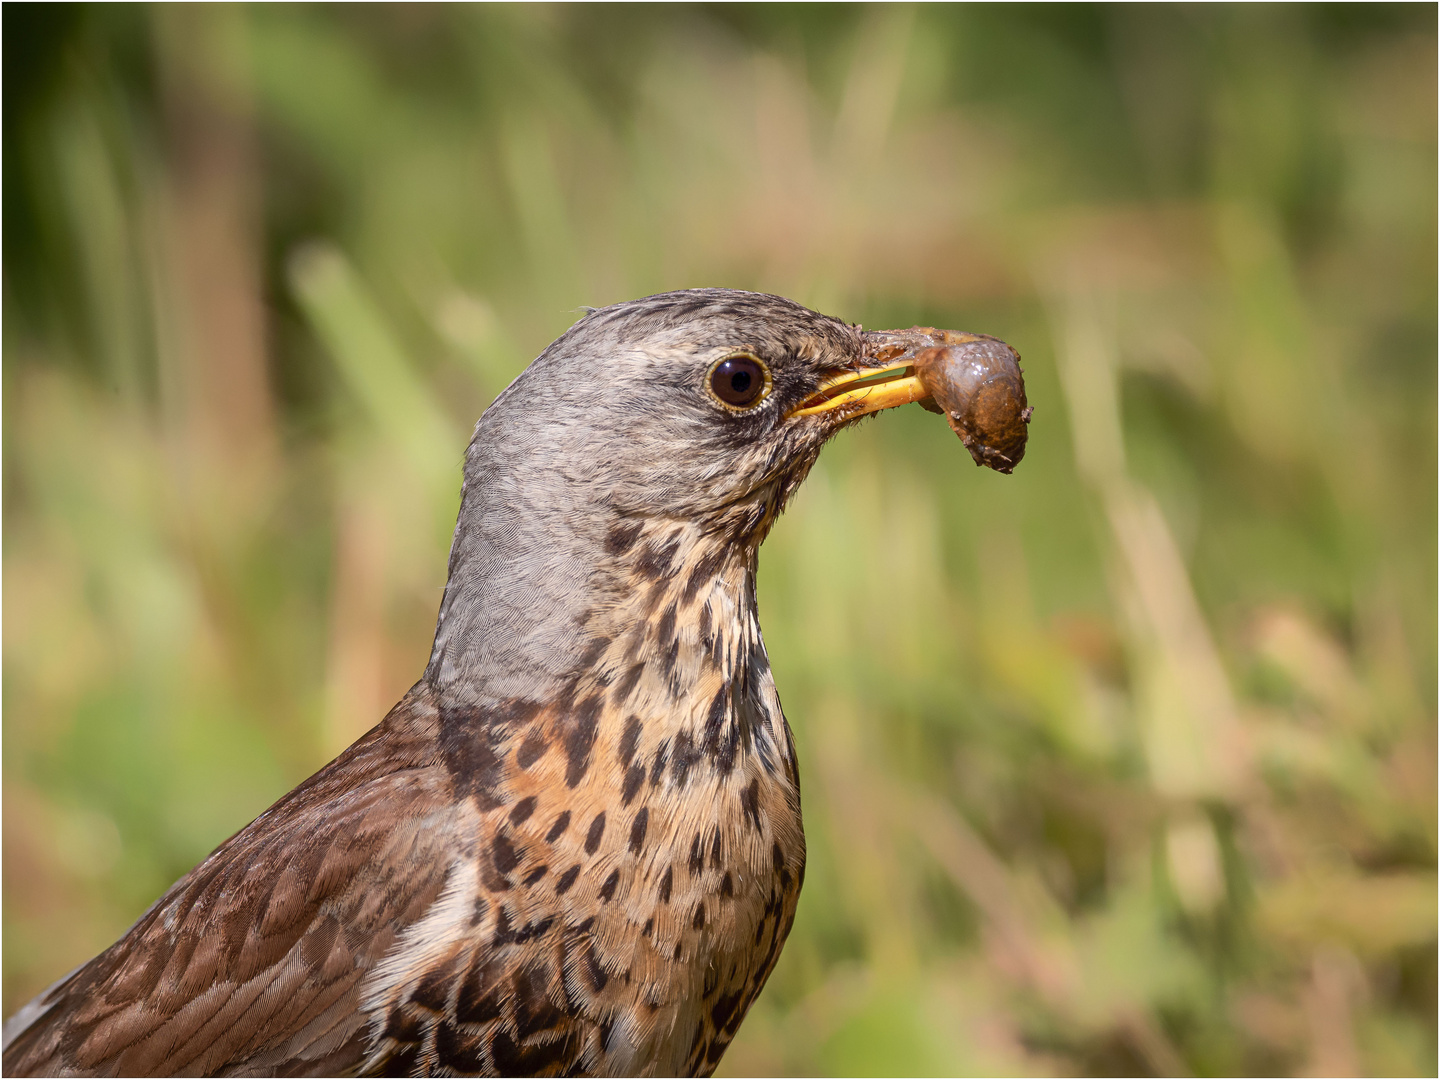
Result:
[[671, 429]]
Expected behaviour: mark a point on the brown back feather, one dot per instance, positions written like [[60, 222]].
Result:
[[250, 963]]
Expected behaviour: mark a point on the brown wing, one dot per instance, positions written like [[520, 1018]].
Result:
[[252, 963]]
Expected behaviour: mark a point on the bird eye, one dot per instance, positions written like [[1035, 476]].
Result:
[[740, 381]]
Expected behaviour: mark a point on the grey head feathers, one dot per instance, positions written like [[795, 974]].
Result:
[[613, 423]]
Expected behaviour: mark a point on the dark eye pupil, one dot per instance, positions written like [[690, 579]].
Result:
[[738, 381]]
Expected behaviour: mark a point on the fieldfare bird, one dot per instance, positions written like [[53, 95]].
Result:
[[575, 844]]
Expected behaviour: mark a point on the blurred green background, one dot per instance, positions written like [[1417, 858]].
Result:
[[1125, 764]]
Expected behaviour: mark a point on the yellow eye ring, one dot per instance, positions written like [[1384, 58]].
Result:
[[739, 381]]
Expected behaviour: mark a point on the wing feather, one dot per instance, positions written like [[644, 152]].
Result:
[[253, 962]]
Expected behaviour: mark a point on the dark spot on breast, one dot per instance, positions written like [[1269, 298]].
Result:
[[750, 801], [557, 830], [404, 1062], [655, 560], [637, 829], [649, 926], [607, 890], [785, 879], [704, 571], [477, 911], [723, 1012], [504, 928], [594, 970], [715, 717], [697, 854], [457, 1051], [621, 537], [523, 809], [469, 742], [530, 750], [534, 930], [535, 875], [502, 852], [628, 740], [666, 883], [490, 878], [584, 927], [479, 998], [698, 921], [534, 1011], [578, 735], [633, 780], [676, 954], [715, 851], [433, 991], [511, 1059], [597, 830], [727, 885], [706, 641], [777, 856], [566, 880], [717, 651], [665, 631], [626, 686], [657, 764], [593, 652], [405, 1025], [685, 756]]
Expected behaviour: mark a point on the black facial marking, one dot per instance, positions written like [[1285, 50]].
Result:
[[597, 830]]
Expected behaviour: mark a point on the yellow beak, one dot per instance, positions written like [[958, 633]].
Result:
[[856, 393]]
